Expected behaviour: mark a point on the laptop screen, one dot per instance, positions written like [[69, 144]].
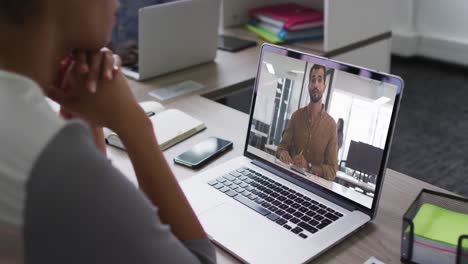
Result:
[[326, 123]]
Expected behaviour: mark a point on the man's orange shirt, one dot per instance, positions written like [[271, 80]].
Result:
[[317, 143]]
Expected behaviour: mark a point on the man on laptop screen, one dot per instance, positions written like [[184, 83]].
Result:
[[297, 108], [311, 133]]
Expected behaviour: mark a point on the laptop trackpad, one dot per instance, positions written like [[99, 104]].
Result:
[[241, 229]]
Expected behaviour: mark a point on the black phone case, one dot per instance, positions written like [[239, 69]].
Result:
[[206, 161], [238, 46]]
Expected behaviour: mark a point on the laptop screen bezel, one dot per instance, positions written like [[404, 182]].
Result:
[[360, 71]]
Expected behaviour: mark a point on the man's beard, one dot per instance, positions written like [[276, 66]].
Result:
[[315, 99]]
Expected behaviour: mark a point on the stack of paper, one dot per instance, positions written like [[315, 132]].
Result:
[[285, 23], [436, 234]]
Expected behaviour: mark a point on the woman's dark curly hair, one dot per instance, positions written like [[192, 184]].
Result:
[[17, 11]]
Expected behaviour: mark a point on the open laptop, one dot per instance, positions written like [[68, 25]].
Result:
[[263, 210], [175, 35]]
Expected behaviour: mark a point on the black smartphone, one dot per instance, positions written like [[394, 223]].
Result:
[[234, 44], [203, 152]]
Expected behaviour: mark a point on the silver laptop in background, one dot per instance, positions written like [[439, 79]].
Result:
[[175, 35], [262, 210]]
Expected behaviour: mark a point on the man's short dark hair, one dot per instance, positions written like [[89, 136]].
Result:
[[17, 11], [316, 67]]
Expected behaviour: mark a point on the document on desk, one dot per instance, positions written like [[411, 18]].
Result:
[[171, 126], [176, 90]]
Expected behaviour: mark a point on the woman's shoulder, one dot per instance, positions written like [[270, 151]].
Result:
[[28, 124], [28, 120]]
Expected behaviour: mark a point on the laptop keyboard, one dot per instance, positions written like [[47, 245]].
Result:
[[292, 210]]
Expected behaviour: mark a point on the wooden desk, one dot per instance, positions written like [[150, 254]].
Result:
[[227, 74], [225, 123], [381, 238]]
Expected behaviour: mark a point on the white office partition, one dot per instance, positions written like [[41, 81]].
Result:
[[236, 11], [375, 56], [348, 22]]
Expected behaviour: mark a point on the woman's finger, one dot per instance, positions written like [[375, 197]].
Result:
[[117, 64], [82, 62], [94, 62], [66, 66], [107, 65], [71, 78]]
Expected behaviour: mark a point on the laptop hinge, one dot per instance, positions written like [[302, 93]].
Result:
[[315, 190]]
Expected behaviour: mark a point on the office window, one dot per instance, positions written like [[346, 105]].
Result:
[[365, 120]]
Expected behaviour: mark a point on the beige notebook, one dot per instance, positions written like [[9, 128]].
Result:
[[171, 126]]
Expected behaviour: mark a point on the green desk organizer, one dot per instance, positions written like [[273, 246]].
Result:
[[443, 206]]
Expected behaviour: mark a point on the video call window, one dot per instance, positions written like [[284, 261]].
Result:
[[326, 125]]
